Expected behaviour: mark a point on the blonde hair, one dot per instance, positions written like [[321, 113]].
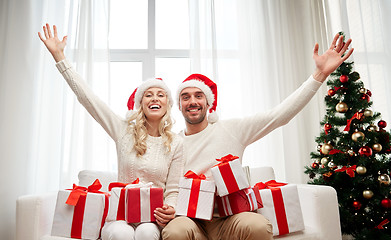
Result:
[[137, 126]]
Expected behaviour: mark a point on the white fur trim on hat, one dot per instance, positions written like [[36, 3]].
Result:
[[210, 97], [152, 82]]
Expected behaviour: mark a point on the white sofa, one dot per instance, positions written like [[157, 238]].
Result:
[[34, 213]]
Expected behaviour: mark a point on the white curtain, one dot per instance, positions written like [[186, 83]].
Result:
[[46, 137], [259, 52]]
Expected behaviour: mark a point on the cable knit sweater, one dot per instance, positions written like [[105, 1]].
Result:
[[158, 166], [232, 136]]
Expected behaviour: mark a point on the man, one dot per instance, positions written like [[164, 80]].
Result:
[[204, 142]]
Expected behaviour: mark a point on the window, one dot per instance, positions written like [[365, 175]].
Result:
[[148, 38]]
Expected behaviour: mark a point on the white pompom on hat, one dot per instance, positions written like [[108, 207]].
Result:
[[208, 87], [134, 101]]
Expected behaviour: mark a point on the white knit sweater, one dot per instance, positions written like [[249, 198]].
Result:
[[232, 136], [158, 166]]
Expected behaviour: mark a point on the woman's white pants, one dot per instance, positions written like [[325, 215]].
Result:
[[120, 230]]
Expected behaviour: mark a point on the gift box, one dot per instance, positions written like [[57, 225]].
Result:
[[80, 212], [229, 175], [141, 200], [196, 196], [245, 200], [117, 200], [281, 205]]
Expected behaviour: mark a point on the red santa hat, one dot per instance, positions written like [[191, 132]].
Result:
[[208, 87], [134, 101]]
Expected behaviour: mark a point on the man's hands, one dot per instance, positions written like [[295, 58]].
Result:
[[330, 60], [164, 214], [52, 43]]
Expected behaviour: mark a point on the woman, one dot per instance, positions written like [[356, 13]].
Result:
[[146, 147]]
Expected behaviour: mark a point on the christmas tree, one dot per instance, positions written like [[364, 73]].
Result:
[[353, 156]]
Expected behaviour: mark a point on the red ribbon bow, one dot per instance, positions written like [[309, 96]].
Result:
[[227, 158], [269, 184], [122, 185], [334, 151], [357, 116], [78, 191], [349, 170], [193, 175], [384, 222]]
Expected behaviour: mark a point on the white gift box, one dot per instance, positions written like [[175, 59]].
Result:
[[83, 221], [196, 202], [281, 206], [229, 177]]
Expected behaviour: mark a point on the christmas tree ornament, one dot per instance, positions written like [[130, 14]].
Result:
[[315, 165], [365, 97], [327, 127], [367, 194], [377, 147], [355, 76], [369, 93], [331, 164], [324, 161], [341, 107], [358, 136], [331, 92], [343, 79], [382, 124], [372, 128], [326, 148], [365, 151], [384, 179], [363, 90], [368, 113], [356, 204], [386, 203], [361, 170]]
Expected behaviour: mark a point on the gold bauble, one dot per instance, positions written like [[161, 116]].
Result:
[[367, 194], [377, 147], [368, 113], [361, 170], [324, 161], [363, 90], [358, 136], [341, 107], [326, 148], [384, 179], [372, 128]]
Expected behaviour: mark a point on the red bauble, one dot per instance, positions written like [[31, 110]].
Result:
[[382, 124], [386, 203], [327, 127], [365, 97], [331, 92], [365, 151], [356, 205], [315, 165], [343, 79], [369, 93]]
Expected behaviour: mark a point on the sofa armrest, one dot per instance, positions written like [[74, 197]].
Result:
[[319, 205], [34, 215]]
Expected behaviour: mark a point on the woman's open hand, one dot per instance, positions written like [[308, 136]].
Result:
[[52, 43]]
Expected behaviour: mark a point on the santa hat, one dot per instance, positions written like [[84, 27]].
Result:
[[134, 101], [208, 87]]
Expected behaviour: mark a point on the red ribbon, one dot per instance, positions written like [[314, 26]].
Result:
[[194, 193], [349, 170], [227, 174], [77, 198], [384, 222], [121, 201], [335, 151], [357, 116], [278, 201]]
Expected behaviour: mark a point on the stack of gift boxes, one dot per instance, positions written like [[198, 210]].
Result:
[[82, 211]]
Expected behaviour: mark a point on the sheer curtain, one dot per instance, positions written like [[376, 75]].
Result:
[[259, 52], [45, 136]]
